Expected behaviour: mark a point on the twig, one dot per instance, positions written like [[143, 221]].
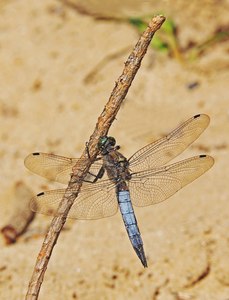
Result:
[[94, 73], [21, 217], [104, 122], [86, 12]]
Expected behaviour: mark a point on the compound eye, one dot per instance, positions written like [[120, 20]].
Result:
[[112, 141], [102, 141]]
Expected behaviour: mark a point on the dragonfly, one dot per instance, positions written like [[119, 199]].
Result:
[[114, 181]]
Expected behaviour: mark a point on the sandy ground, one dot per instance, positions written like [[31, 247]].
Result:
[[49, 101]]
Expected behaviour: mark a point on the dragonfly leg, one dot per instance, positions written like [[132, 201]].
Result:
[[88, 154], [100, 174], [96, 177], [87, 149]]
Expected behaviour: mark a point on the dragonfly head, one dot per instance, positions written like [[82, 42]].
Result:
[[106, 143]]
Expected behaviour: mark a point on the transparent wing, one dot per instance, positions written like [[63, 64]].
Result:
[[165, 149], [156, 185], [95, 201], [54, 167]]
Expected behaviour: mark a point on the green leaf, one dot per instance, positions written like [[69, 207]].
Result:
[[169, 26], [159, 44], [139, 23]]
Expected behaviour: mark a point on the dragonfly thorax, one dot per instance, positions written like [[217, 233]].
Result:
[[116, 165]]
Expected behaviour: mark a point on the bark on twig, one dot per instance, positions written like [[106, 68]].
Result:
[[103, 124]]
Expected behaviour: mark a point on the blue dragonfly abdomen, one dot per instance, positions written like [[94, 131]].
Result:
[[131, 225]]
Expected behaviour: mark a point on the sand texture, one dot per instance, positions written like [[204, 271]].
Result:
[[58, 65]]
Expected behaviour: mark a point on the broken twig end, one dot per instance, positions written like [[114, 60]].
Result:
[[156, 22]]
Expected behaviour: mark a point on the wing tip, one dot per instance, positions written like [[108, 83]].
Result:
[[209, 158], [28, 158], [202, 116]]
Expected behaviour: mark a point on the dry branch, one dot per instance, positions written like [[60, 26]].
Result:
[[104, 122], [21, 216]]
